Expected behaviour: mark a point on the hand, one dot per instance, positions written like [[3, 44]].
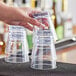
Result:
[[22, 16], [29, 12]]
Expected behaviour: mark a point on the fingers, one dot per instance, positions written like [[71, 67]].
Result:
[[46, 24], [26, 25], [21, 24], [35, 22]]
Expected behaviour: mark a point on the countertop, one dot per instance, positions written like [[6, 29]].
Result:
[[23, 69]]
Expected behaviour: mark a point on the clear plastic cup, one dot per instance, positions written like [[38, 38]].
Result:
[[45, 19], [43, 53], [17, 47]]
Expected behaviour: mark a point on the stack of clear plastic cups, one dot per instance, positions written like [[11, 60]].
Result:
[[43, 53], [17, 47]]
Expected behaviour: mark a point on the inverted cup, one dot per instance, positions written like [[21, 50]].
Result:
[[16, 48], [43, 53]]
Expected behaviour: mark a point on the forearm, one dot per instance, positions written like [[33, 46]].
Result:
[[10, 13], [3, 11]]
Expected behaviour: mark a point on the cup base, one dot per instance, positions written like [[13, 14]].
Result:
[[46, 65], [15, 60], [43, 67]]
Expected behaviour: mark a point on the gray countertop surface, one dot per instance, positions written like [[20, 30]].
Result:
[[23, 69]]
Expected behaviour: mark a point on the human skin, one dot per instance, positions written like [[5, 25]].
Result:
[[18, 16]]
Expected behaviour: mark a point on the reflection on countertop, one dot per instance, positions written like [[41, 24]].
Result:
[[67, 55]]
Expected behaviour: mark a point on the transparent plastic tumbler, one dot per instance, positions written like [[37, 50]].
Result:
[[17, 47], [43, 53]]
